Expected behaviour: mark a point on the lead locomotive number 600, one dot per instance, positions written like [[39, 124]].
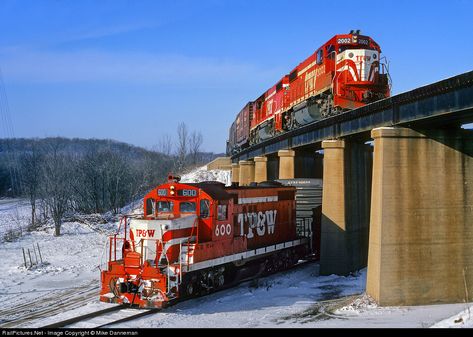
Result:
[[197, 238]]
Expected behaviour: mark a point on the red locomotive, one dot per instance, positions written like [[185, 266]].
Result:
[[343, 74], [196, 238]]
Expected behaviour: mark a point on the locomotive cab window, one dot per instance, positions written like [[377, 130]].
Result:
[[165, 206], [330, 51], [279, 86], [187, 207], [293, 76], [150, 207], [222, 212], [320, 56], [204, 208]]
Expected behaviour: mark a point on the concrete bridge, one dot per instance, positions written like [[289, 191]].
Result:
[[397, 190]]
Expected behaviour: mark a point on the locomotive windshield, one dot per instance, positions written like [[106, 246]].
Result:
[[187, 207], [345, 47], [165, 206]]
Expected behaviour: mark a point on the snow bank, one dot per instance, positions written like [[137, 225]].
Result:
[[463, 319], [14, 217], [201, 174]]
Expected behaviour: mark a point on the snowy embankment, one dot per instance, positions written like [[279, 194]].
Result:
[[463, 319], [56, 268], [201, 174], [67, 283], [14, 217]]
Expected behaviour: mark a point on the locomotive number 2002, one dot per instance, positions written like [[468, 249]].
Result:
[[344, 40]]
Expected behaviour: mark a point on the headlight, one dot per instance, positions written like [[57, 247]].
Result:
[[350, 55], [374, 56]]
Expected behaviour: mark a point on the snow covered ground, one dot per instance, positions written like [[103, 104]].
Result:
[[66, 285], [459, 320], [14, 217], [201, 174]]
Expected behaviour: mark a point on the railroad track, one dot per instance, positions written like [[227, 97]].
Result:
[[59, 301], [47, 305], [102, 318]]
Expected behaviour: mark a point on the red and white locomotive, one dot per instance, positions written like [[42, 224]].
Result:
[[196, 238], [343, 74]]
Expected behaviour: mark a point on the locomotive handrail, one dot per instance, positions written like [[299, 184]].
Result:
[[386, 64], [180, 265], [110, 250], [141, 251]]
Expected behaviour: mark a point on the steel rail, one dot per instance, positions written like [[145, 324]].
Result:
[[84, 317], [80, 318]]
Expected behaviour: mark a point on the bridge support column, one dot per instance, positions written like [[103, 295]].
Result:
[[345, 207], [261, 169], [235, 173], [247, 172], [286, 164], [421, 231]]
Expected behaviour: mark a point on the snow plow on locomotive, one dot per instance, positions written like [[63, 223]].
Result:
[[346, 72], [197, 238]]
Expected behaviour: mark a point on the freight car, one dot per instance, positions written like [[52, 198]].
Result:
[[345, 73], [196, 238]]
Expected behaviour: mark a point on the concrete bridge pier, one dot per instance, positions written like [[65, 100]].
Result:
[[247, 172], [235, 173], [345, 206], [261, 169], [421, 230], [286, 164]]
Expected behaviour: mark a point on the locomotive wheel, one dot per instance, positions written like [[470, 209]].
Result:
[[220, 280], [189, 289], [290, 121]]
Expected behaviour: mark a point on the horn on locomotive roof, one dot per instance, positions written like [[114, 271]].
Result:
[[172, 178]]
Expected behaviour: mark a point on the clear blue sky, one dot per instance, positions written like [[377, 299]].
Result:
[[132, 70]]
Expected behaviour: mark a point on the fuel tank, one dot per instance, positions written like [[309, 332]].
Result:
[[305, 114]]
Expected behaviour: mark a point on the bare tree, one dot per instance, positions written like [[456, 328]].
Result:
[[118, 180], [30, 166], [165, 144], [89, 186], [195, 142], [55, 186], [182, 146]]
